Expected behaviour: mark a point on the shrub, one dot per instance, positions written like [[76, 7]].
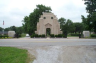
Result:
[[93, 35], [55, 35], [0, 36], [3, 36], [64, 36], [43, 35], [59, 35], [19, 35], [32, 35], [35, 35], [52, 35], [39, 35], [16, 35]]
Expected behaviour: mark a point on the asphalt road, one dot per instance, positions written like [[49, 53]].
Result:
[[46, 42]]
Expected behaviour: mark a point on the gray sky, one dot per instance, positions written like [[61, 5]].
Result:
[[13, 11]]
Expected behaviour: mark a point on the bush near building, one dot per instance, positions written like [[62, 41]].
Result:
[[51, 35], [93, 35], [37, 36], [3, 36], [17, 35], [58, 36]]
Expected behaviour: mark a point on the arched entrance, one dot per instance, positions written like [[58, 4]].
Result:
[[48, 32], [48, 29]]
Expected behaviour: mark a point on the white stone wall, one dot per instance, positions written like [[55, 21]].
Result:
[[86, 33], [11, 33]]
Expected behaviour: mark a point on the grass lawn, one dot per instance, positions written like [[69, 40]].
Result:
[[13, 55]]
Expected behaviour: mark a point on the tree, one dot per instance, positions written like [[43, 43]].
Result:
[[79, 27], [62, 22], [91, 6], [30, 22], [26, 24], [70, 25], [7, 29], [66, 26], [89, 22], [84, 21], [93, 23], [91, 9], [19, 30], [13, 28], [1, 28]]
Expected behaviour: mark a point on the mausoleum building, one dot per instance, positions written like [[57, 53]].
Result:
[[48, 21]]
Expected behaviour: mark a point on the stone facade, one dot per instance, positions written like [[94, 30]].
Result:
[[86, 33], [48, 20], [11, 33]]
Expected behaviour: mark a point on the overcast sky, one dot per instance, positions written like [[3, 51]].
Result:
[[13, 11]]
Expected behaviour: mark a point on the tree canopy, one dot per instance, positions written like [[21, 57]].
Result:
[[91, 6], [62, 22], [90, 21], [1, 29], [66, 25], [18, 30]]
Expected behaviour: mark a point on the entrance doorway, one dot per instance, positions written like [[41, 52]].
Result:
[[48, 32]]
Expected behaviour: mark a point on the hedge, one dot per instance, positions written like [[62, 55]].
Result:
[[93, 35], [51, 35], [36, 35], [3, 36], [17, 35], [58, 36]]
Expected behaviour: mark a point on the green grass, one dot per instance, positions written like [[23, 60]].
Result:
[[13, 55]]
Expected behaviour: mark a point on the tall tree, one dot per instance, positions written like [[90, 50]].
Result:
[[19, 30], [91, 6], [91, 9], [69, 26], [33, 18], [26, 24], [66, 26], [7, 29], [93, 23], [79, 27], [13, 28], [62, 22], [84, 21], [1, 28]]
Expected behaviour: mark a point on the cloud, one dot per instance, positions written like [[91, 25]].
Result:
[[13, 11]]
